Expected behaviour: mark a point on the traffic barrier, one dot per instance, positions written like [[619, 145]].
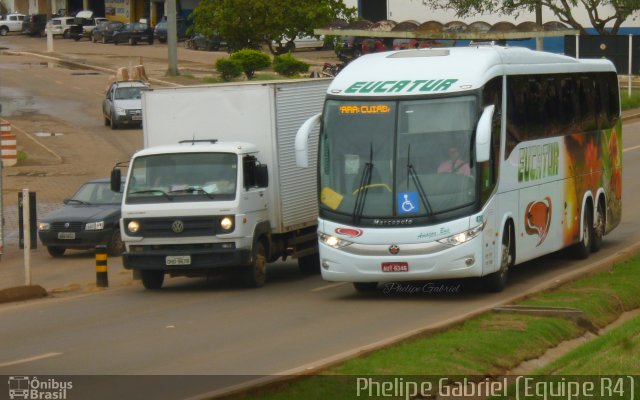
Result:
[[102, 273], [8, 144]]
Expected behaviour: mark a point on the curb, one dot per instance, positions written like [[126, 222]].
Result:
[[19, 293]]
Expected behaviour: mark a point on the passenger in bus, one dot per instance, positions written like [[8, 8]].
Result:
[[454, 164]]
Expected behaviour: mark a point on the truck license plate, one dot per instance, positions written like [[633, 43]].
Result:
[[395, 267], [137, 118], [66, 235], [178, 260]]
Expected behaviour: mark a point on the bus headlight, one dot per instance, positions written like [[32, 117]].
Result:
[[333, 241], [133, 226], [462, 237], [226, 223]]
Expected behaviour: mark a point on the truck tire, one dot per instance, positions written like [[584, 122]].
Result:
[[309, 264], [55, 251], [256, 273], [152, 279]]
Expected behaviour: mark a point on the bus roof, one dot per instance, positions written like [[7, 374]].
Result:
[[448, 70]]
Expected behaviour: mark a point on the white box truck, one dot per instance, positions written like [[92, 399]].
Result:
[[216, 186]]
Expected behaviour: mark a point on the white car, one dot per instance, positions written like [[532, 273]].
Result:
[[122, 104], [11, 23], [60, 26], [304, 42]]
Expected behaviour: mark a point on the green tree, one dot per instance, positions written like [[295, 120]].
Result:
[[251, 61], [247, 24], [600, 12]]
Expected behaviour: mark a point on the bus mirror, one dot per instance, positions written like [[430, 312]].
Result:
[[483, 135], [302, 140]]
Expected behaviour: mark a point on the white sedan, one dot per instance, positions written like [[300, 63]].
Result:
[[304, 42]]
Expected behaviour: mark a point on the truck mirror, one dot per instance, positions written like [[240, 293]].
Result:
[[262, 176], [483, 135], [116, 177], [302, 140]]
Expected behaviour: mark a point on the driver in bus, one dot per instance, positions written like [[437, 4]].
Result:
[[454, 164]]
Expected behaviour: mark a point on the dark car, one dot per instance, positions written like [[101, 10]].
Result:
[[105, 31], [134, 33], [201, 42], [35, 25], [160, 31], [89, 218]]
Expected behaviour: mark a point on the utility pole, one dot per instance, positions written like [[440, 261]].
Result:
[[539, 40], [172, 38]]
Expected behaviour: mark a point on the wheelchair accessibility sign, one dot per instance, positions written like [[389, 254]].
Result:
[[408, 203]]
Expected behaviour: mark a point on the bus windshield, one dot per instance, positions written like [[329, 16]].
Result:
[[397, 159]]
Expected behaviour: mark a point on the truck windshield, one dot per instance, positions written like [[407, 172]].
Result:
[[183, 177], [397, 159]]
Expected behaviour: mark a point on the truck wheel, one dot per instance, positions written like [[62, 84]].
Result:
[[115, 247], [497, 281], [3, 31], [152, 279], [309, 264], [365, 287], [56, 251], [598, 227], [256, 273], [581, 250]]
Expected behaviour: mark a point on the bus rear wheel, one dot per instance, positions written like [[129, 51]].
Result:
[[581, 250], [497, 281], [598, 227]]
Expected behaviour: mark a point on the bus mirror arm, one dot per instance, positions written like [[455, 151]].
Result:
[[302, 140], [483, 135]]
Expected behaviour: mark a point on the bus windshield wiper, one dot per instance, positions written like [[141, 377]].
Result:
[[365, 181], [147, 191], [411, 172]]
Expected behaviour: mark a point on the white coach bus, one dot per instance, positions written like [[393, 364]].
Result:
[[461, 162]]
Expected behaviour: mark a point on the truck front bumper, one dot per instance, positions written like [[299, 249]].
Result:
[[199, 260]]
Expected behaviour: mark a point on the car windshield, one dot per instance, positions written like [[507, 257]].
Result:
[[96, 193], [128, 93]]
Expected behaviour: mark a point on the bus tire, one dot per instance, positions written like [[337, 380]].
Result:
[[598, 226], [309, 264], [152, 279], [365, 287], [256, 273], [497, 281], [581, 250]]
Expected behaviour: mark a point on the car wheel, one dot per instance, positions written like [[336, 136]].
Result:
[[115, 247], [66, 34], [151, 41], [107, 122], [4, 31], [152, 279], [114, 125], [131, 42], [256, 273], [55, 251], [116, 41], [165, 41]]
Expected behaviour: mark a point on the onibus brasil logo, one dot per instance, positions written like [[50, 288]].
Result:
[[32, 388]]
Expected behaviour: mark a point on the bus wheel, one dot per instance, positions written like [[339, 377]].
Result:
[[497, 281], [256, 273], [365, 287], [581, 250], [598, 227], [152, 279]]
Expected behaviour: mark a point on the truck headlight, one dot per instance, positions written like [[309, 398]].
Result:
[[226, 223], [133, 226], [44, 226], [462, 237], [94, 226], [333, 241]]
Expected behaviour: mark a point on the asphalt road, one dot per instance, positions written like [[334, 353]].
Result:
[[214, 328]]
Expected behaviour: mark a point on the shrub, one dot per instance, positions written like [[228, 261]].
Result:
[[288, 65], [251, 61], [228, 68]]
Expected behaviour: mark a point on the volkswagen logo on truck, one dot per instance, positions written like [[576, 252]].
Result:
[[177, 226]]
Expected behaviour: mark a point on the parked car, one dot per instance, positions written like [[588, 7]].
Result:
[[303, 42], [11, 23], [105, 31], [84, 24], [89, 218], [160, 31], [122, 104], [200, 42], [35, 25], [61, 26], [134, 33]]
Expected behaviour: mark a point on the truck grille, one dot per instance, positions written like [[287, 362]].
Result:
[[191, 226]]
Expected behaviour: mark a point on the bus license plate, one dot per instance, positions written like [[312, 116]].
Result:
[[66, 235], [178, 260], [395, 267]]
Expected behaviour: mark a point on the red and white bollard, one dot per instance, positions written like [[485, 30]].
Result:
[[8, 145]]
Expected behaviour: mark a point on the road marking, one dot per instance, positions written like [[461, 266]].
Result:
[[26, 360], [328, 286], [631, 148]]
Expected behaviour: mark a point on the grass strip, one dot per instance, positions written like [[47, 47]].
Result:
[[494, 343], [629, 102]]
